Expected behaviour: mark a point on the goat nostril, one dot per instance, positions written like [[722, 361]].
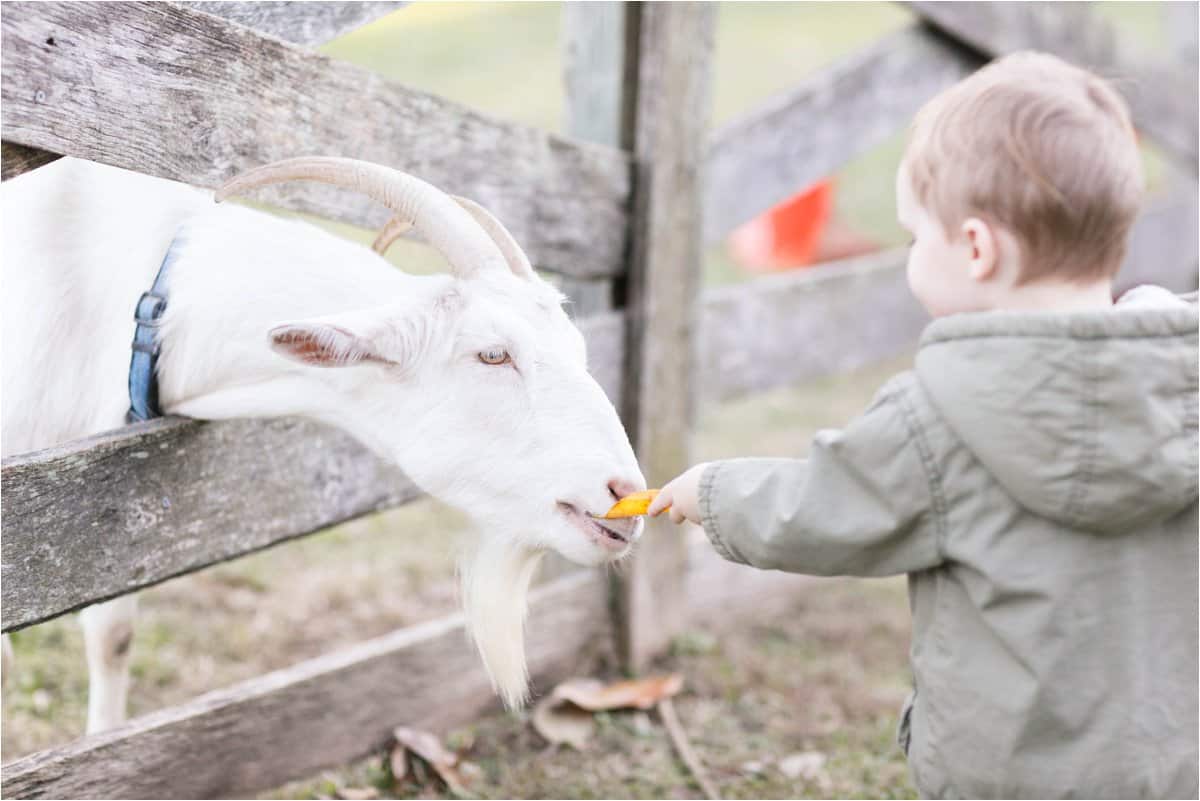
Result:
[[619, 488]]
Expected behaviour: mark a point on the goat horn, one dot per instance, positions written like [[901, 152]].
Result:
[[395, 228], [518, 262], [465, 244]]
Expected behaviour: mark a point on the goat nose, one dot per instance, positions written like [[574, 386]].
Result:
[[620, 487]]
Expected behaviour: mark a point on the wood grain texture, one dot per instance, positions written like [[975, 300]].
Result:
[[317, 714], [16, 159], [672, 102], [103, 516], [805, 133], [1162, 94], [783, 329], [107, 515], [180, 94], [595, 108], [301, 23]]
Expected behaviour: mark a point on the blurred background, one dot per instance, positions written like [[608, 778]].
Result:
[[828, 676]]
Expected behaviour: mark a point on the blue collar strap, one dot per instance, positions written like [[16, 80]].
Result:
[[143, 383]]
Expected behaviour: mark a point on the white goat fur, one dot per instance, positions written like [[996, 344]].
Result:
[[524, 448]]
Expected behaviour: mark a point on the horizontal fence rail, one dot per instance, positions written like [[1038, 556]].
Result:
[[1162, 96], [317, 714], [108, 515], [180, 94], [802, 135]]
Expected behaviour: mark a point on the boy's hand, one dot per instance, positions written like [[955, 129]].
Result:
[[682, 494]]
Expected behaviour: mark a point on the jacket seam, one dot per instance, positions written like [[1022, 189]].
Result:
[[933, 476], [1077, 496], [708, 520]]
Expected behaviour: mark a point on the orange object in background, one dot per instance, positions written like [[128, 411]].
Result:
[[798, 232]]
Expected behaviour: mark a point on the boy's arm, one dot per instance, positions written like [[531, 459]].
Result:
[[860, 504]]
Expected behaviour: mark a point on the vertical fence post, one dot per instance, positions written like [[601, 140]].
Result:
[[594, 77], [670, 48]]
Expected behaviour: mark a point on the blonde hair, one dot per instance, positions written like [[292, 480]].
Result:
[[1041, 148]]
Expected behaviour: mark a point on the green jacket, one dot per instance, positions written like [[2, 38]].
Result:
[[1036, 478]]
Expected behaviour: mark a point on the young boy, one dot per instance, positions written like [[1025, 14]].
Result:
[[1035, 475]]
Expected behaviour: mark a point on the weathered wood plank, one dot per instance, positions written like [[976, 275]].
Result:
[[1162, 95], [784, 329], [593, 51], [107, 515], [1165, 243], [320, 713], [180, 94], [672, 100], [1182, 21], [16, 159], [805, 133], [299, 21]]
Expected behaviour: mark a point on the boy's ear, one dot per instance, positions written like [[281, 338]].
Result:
[[984, 255]]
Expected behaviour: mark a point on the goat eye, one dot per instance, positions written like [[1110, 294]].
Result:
[[494, 356]]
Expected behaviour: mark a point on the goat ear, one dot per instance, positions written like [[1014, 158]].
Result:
[[322, 344]]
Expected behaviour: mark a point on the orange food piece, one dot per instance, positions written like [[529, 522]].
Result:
[[632, 505]]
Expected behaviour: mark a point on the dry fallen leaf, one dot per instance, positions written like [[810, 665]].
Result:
[[565, 716], [596, 696], [412, 743], [564, 723], [357, 793]]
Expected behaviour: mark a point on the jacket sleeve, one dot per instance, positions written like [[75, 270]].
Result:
[[861, 504]]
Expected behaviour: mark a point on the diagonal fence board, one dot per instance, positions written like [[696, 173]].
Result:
[[805, 133], [103, 516], [100, 517], [180, 94], [1162, 96], [1164, 247], [16, 159], [300, 22], [297, 21], [784, 329], [781, 330], [66, 545], [317, 714]]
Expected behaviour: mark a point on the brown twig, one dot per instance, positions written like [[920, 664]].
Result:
[[679, 739]]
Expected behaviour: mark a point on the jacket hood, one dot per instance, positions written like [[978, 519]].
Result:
[[1086, 418]]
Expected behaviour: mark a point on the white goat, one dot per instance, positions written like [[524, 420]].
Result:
[[475, 383]]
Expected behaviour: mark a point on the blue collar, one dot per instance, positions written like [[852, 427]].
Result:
[[143, 382]]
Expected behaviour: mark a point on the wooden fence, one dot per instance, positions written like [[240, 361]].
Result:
[[196, 92]]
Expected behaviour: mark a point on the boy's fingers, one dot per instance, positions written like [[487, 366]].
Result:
[[660, 502]]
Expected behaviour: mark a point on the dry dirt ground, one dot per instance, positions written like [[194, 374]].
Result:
[[828, 677]]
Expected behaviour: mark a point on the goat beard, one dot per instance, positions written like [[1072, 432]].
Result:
[[495, 576]]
